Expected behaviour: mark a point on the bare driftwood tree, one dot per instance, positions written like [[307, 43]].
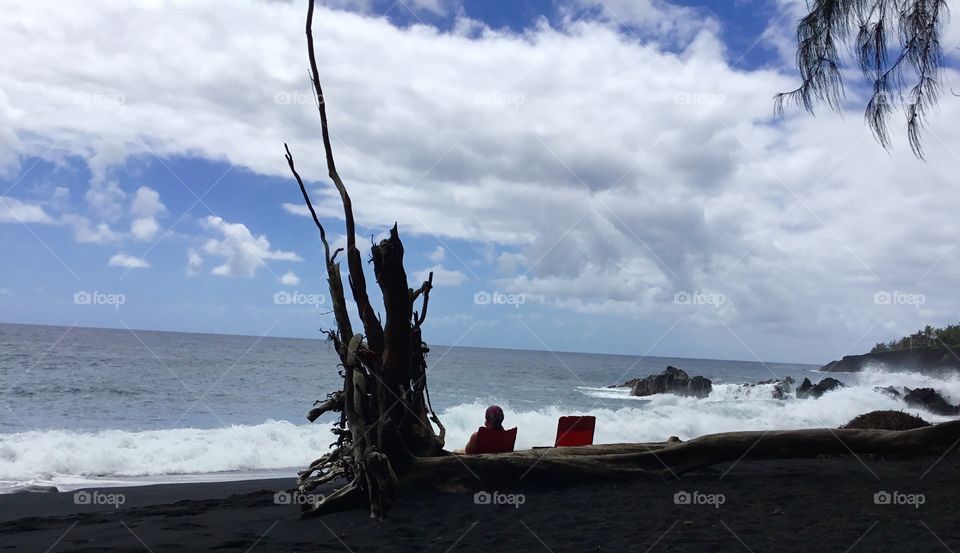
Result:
[[384, 405], [914, 61], [385, 436]]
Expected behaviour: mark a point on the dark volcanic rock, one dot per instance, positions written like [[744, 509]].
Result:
[[889, 391], [628, 384], [887, 420], [808, 389], [781, 388], [920, 360], [672, 381], [931, 400]]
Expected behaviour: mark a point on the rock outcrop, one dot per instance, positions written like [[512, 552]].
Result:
[[672, 381], [919, 360], [781, 387], [889, 391], [887, 420], [931, 400], [808, 389]]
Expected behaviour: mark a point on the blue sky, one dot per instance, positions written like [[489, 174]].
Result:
[[610, 172]]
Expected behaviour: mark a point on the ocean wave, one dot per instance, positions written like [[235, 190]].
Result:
[[51, 455], [72, 457], [947, 384], [731, 407]]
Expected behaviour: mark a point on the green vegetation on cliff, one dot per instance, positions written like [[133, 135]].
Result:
[[928, 337]]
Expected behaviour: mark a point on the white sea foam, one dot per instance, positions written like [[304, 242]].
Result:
[[70, 459], [730, 407]]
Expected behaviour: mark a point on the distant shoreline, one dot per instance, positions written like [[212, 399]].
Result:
[[917, 360]]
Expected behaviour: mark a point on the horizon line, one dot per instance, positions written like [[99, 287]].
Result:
[[320, 339]]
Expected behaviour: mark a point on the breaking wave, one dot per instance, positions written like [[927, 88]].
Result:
[[278, 448]]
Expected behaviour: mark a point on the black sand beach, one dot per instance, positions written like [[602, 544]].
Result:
[[810, 505]]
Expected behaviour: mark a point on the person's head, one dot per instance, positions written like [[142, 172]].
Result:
[[494, 417]]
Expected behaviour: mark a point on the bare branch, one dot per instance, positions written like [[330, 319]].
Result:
[[334, 402], [306, 199], [425, 290], [358, 283]]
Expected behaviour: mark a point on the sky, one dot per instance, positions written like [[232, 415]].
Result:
[[579, 175]]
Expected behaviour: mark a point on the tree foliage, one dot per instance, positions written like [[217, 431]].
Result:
[[897, 47], [927, 337]]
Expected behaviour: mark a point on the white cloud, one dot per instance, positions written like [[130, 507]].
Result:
[[243, 252], [13, 211], [146, 203], [85, 232], [664, 174], [146, 206], [105, 197], [194, 263], [144, 229], [296, 209], [290, 279], [441, 276], [439, 7], [130, 262], [60, 198], [662, 20], [508, 262], [10, 144], [437, 255]]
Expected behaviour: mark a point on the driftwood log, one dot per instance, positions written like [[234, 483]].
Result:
[[389, 439], [670, 460], [386, 419]]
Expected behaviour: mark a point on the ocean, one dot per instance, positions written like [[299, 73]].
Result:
[[84, 406]]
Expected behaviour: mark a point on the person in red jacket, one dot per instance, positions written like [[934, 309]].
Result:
[[493, 421]]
